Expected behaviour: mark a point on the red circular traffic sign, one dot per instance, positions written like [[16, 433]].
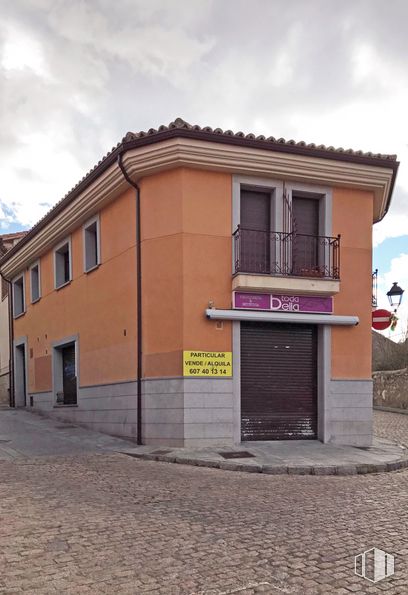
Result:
[[381, 319]]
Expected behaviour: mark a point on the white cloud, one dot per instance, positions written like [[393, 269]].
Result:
[[65, 77], [395, 223], [364, 63], [7, 216], [392, 226], [75, 76], [148, 48], [21, 51]]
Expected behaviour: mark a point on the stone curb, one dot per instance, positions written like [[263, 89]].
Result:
[[319, 470]]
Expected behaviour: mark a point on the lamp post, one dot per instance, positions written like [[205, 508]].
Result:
[[395, 296]]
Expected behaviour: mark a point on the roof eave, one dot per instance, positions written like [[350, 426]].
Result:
[[214, 137]]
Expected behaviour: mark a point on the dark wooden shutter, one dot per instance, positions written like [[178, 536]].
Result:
[[255, 210], [278, 381], [305, 243], [306, 215], [255, 231]]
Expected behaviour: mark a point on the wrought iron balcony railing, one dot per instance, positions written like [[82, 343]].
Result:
[[287, 254]]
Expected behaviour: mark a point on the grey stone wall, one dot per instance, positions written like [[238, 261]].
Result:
[[4, 392], [349, 412], [187, 411], [110, 408], [391, 388], [175, 411], [387, 354], [200, 412]]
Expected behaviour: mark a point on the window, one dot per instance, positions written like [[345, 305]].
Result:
[[18, 296], [62, 261], [307, 246], [91, 244], [283, 229], [256, 245], [35, 282]]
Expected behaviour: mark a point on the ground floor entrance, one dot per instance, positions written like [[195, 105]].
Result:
[[278, 381], [65, 374], [20, 375]]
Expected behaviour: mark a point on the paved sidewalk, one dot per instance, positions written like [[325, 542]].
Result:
[[300, 457], [388, 453], [24, 434]]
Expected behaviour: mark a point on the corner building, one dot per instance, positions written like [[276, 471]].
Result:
[[251, 278]]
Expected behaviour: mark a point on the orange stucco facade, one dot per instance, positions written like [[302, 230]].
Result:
[[186, 263], [187, 252], [98, 306], [186, 248], [351, 347]]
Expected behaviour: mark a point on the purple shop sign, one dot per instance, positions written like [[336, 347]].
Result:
[[312, 304], [252, 301], [315, 304]]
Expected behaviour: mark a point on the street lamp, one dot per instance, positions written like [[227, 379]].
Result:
[[395, 296]]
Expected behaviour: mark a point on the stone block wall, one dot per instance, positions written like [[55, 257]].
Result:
[[391, 389], [4, 392]]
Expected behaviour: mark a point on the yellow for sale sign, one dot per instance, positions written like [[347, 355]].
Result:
[[212, 364]]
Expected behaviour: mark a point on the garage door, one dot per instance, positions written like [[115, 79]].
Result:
[[278, 381]]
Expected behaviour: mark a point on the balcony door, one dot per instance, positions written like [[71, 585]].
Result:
[[255, 228], [305, 248]]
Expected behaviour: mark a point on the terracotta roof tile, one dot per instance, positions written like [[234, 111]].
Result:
[[181, 124], [10, 236], [208, 133]]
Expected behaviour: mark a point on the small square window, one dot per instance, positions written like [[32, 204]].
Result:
[[62, 257], [18, 296], [91, 245], [35, 282]]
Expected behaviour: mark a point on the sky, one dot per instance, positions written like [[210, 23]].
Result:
[[76, 75]]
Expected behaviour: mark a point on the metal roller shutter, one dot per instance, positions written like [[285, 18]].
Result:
[[278, 381]]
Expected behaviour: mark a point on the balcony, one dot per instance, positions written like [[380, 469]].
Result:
[[309, 263]]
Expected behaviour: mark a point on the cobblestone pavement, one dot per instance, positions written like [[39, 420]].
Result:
[[393, 426], [109, 523]]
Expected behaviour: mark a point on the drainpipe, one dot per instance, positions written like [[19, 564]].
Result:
[[139, 298], [11, 340]]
